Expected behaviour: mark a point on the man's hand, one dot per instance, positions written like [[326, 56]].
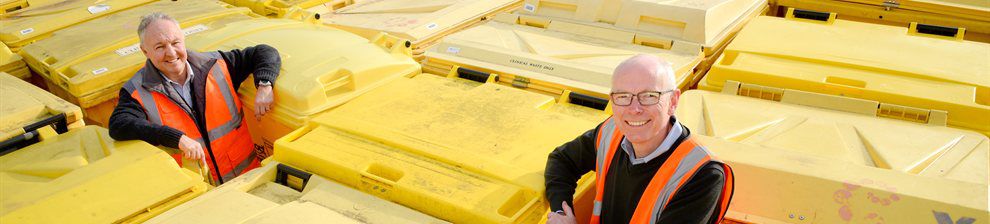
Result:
[[566, 218], [263, 101], [191, 149]]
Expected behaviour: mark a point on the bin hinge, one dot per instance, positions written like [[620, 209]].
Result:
[[520, 82], [888, 4]]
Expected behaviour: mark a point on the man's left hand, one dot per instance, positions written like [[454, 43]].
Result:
[[263, 101]]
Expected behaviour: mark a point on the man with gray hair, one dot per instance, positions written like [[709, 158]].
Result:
[[188, 100], [648, 167]]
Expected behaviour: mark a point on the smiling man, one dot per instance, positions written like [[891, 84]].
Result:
[[648, 167], [187, 101]]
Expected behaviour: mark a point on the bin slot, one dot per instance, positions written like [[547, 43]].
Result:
[[813, 15], [588, 101], [292, 177], [474, 75], [937, 30]]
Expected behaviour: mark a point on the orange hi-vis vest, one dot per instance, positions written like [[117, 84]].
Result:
[[230, 148], [682, 164]]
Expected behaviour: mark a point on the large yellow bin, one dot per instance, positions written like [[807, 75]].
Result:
[[83, 176], [551, 56], [322, 68], [460, 150], [914, 76], [89, 62], [25, 108], [814, 158], [281, 8], [22, 27], [421, 22], [973, 15], [278, 193], [13, 64]]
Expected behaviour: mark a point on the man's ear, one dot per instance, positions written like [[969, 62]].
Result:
[[674, 97], [143, 51]]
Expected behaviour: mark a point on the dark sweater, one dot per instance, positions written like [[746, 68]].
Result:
[[695, 202], [130, 122]]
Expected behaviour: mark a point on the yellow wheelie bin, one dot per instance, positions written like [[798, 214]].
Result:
[[423, 23], [31, 24], [915, 74], [88, 63], [804, 157], [971, 15], [84, 176], [279, 193], [25, 110]]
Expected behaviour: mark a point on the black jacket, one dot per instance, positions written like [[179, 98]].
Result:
[[130, 122], [695, 202]]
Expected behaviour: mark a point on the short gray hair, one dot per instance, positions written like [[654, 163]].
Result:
[[150, 18]]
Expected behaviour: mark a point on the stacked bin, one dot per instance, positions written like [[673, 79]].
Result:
[[677, 24], [13, 64], [972, 15], [456, 145], [88, 63], [322, 68], [802, 157], [31, 24], [421, 22], [918, 77], [281, 8], [278, 193], [26, 111], [83, 176]]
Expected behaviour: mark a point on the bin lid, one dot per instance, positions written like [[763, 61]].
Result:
[[25, 104], [24, 26], [85, 176]]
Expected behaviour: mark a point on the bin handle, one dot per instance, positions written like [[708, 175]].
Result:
[[475, 75], [945, 31], [586, 100], [827, 17], [31, 135]]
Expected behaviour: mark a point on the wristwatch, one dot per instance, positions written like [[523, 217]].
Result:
[[264, 83]]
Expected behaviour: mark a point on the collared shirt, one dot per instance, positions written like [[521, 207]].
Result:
[[185, 88], [675, 131]]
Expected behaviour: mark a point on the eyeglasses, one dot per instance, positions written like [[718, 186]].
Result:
[[646, 98]]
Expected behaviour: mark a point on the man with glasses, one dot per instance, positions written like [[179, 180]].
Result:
[[648, 167]]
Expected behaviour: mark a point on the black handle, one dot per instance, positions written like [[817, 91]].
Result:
[[473, 75], [937, 30], [30, 136], [813, 15], [283, 173], [588, 101]]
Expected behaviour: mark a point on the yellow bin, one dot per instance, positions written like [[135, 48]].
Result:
[[25, 108], [278, 193], [973, 15], [89, 62], [421, 22], [281, 8], [322, 68], [552, 56], [805, 157], [13, 64], [460, 150], [83, 176], [914, 76], [22, 27]]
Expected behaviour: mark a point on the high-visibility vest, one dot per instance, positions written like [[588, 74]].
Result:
[[682, 164], [230, 148]]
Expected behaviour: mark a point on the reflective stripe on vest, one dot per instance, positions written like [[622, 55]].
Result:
[[682, 164], [224, 122]]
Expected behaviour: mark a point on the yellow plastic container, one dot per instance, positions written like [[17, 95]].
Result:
[[25, 107], [8, 6], [280, 8], [32, 24], [83, 176], [969, 14], [909, 73], [421, 22], [13, 64], [322, 68], [280, 193], [709, 23], [88, 63], [552, 56], [805, 157], [459, 150]]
